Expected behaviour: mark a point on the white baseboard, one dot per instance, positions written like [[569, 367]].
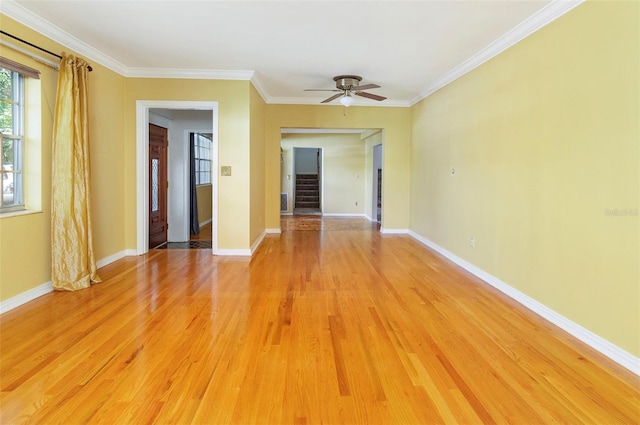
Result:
[[394, 231], [245, 252], [25, 297], [233, 252], [368, 217], [115, 257], [204, 223], [257, 243], [615, 353], [273, 231], [45, 288], [286, 213]]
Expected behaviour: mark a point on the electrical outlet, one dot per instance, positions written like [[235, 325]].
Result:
[[472, 242]]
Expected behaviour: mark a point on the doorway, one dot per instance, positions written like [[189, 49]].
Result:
[[346, 170], [307, 183], [181, 190]]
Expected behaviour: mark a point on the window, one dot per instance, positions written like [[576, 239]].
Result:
[[19, 90], [12, 147], [202, 154]]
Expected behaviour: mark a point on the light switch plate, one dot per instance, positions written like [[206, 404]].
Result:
[[225, 170]]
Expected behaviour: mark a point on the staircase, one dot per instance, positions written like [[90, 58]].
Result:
[[307, 191]]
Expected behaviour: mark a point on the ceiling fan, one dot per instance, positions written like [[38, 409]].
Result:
[[349, 86]]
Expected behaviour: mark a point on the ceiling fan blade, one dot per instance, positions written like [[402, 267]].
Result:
[[335, 96], [367, 87], [369, 95], [321, 90]]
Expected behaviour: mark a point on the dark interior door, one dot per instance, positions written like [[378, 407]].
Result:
[[157, 185]]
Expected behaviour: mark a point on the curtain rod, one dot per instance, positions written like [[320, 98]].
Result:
[[32, 55], [37, 47]]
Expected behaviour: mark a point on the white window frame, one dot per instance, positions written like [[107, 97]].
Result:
[[202, 158], [17, 135]]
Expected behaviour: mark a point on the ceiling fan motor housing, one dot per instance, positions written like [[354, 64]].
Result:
[[347, 82]]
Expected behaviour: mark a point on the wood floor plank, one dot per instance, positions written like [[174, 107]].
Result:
[[329, 322]]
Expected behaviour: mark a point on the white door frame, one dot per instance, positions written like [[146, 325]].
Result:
[[142, 165]]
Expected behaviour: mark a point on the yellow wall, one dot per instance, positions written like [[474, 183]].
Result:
[[257, 200], [343, 177], [544, 139], [203, 194], [233, 149], [25, 250], [397, 135]]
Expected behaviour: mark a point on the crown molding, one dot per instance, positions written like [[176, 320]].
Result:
[[257, 83], [205, 74], [297, 130], [543, 17], [317, 102], [27, 18]]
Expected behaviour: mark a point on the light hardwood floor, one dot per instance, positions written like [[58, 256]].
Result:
[[204, 235], [339, 325]]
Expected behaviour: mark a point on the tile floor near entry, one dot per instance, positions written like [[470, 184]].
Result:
[[200, 241], [186, 245]]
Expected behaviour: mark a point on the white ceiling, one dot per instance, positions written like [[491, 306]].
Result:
[[410, 48]]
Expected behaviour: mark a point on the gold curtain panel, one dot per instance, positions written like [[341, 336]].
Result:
[[73, 261]]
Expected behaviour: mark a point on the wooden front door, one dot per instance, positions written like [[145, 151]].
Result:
[[157, 185]]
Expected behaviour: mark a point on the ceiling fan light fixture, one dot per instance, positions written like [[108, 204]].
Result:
[[347, 100], [347, 87]]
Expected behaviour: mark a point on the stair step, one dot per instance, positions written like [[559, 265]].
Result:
[[307, 191], [307, 205]]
